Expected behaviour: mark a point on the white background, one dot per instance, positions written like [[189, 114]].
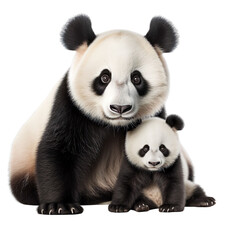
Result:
[[204, 73]]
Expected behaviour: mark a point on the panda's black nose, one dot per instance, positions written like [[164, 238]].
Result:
[[154, 163], [120, 108]]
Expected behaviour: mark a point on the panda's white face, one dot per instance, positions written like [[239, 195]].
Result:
[[153, 145], [119, 78]]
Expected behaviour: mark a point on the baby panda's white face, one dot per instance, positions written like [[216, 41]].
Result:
[[153, 145], [119, 78]]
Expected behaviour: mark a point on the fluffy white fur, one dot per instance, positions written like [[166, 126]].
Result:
[[121, 52]]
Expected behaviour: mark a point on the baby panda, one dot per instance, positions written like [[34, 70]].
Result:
[[152, 160], [156, 172]]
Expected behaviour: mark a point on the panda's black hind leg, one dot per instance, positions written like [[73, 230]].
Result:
[[199, 199], [143, 204], [59, 208]]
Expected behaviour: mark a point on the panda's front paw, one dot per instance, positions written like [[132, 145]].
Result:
[[59, 208], [118, 208], [140, 207], [170, 208]]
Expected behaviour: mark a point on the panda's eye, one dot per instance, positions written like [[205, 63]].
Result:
[[105, 78], [136, 78], [164, 150]]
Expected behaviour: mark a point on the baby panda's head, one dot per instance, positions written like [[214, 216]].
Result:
[[154, 144]]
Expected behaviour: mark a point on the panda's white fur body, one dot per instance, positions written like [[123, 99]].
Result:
[[24, 147]]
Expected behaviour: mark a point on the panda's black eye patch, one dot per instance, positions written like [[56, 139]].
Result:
[[140, 83], [100, 83], [164, 150], [143, 150]]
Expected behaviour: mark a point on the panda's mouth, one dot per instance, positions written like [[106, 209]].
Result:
[[119, 118]]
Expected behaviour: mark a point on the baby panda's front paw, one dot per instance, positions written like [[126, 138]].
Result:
[[140, 207], [117, 208], [59, 208], [170, 208]]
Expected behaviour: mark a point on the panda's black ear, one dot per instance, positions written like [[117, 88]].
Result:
[[175, 121], [77, 31], [163, 34]]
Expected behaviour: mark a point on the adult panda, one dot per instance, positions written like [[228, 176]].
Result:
[[70, 151]]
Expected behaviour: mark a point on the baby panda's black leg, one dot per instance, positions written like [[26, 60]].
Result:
[[128, 187], [198, 198], [172, 186], [143, 204]]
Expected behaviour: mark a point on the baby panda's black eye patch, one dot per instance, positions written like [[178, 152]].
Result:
[[164, 150], [143, 150]]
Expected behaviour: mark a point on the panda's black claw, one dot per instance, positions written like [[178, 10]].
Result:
[[59, 208], [117, 208]]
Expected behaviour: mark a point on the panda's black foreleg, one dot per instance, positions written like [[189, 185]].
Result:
[[172, 188], [128, 187], [56, 182]]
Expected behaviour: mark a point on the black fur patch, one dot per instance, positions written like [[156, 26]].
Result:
[[143, 87], [77, 31], [98, 86], [161, 113], [175, 121], [164, 150], [163, 34], [24, 189], [143, 151]]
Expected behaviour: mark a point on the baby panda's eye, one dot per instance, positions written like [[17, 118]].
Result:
[[143, 150], [164, 150]]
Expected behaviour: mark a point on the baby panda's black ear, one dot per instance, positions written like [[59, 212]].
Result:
[[175, 121], [163, 34], [77, 31]]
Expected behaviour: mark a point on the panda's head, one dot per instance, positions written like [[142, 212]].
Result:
[[118, 77], [154, 144]]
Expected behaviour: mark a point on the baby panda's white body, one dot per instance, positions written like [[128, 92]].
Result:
[[155, 173]]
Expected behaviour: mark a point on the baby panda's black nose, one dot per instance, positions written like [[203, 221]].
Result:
[[154, 163]]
